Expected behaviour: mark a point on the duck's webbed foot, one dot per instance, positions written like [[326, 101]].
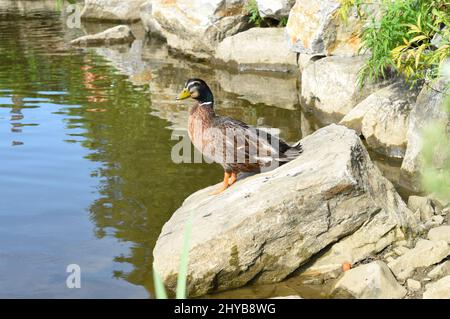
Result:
[[228, 180]]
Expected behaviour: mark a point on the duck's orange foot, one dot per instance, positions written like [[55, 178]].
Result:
[[226, 183]]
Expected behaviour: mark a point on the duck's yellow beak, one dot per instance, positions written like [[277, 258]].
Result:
[[184, 95]]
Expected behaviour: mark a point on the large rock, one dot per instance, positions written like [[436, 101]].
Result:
[[195, 27], [266, 226], [274, 9], [248, 51], [115, 35], [426, 253], [426, 111], [330, 86], [258, 88], [369, 281], [382, 118], [438, 290], [111, 10], [314, 27]]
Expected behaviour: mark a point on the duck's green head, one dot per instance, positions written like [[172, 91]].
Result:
[[198, 90]]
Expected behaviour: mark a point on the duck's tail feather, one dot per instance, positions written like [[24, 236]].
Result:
[[292, 153]]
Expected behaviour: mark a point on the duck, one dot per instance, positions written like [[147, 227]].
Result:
[[237, 146]]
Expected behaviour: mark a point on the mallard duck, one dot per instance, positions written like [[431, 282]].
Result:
[[229, 142]]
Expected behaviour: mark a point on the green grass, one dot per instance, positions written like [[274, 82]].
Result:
[[399, 41]]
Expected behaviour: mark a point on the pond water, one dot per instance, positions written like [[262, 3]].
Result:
[[86, 175]]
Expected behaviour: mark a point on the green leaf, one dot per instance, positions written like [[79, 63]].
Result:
[[184, 260], [160, 291]]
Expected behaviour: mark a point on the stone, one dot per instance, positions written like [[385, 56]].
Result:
[[401, 250], [438, 219], [248, 51], [426, 253], [195, 27], [440, 270], [422, 204], [440, 233], [426, 111], [369, 281], [438, 290], [116, 35], [413, 285], [274, 9], [274, 222], [315, 27], [111, 10], [383, 117], [329, 86]]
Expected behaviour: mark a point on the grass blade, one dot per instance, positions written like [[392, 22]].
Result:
[[160, 291]]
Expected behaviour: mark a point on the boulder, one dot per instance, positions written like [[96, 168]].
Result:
[[438, 290], [111, 10], [269, 90], [274, 9], [426, 253], [440, 233], [116, 35], [369, 281], [329, 86], [248, 51], [315, 27], [426, 111], [382, 118], [440, 270], [195, 27], [267, 225]]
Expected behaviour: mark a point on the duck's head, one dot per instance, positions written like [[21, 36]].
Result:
[[198, 90]]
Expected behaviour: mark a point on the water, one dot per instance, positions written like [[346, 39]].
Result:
[[86, 175]]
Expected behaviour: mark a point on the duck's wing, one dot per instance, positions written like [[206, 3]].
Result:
[[243, 143]]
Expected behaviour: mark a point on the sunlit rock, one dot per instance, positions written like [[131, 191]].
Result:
[[382, 118], [315, 27], [266, 226], [249, 50], [330, 86], [111, 10], [195, 27]]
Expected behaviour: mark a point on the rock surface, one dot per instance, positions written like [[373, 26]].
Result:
[[426, 253], [248, 50], [274, 9], [329, 86], [440, 233], [413, 285], [314, 27], [382, 118], [115, 35], [195, 27], [369, 281], [426, 111], [111, 10], [438, 290], [266, 226]]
